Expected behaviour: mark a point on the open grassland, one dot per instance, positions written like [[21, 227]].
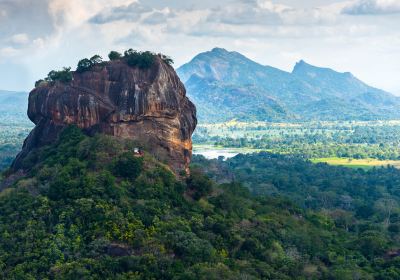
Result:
[[357, 163]]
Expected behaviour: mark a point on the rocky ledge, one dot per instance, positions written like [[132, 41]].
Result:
[[148, 106]]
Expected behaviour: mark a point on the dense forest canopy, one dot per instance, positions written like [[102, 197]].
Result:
[[90, 209]]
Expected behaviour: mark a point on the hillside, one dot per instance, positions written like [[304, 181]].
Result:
[[89, 209], [227, 85]]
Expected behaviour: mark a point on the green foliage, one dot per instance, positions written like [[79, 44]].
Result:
[[39, 83], [96, 59], [64, 76], [87, 64], [365, 204], [142, 60], [84, 65], [128, 166], [168, 60], [91, 210], [113, 55], [199, 184], [357, 140]]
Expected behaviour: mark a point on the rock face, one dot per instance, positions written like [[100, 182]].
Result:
[[149, 106]]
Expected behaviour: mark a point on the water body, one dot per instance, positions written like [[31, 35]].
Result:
[[215, 154]]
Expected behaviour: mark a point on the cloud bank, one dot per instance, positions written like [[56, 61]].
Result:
[[373, 7], [37, 36]]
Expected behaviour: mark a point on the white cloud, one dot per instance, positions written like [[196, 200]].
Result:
[[132, 12], [20, 39], [270, 32], [8, 52], [373, 7]]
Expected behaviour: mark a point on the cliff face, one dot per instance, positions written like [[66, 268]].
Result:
[[149, 106]]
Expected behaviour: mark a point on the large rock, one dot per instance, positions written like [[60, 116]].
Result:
[[149, 106]]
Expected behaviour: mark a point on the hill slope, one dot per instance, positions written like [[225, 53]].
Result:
[[90, 210], [226, 85]]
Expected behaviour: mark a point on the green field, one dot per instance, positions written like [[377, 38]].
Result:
[[357, 163]]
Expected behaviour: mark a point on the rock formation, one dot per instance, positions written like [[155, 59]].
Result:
[[146, 105]]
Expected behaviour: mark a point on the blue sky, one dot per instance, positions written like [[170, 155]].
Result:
[[360, 36]]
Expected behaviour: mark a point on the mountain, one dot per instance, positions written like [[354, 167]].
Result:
[[13, 103], [13, 107], [226, 85], [90, 209], [145, 103]]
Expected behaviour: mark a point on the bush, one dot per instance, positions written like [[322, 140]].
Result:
[[96, 59], [113, 55], [128, 166], [39, 82], [64, 75], [188, 246], [166, 59], [143, 60], [199, 184], [87, 64], [84, 65]]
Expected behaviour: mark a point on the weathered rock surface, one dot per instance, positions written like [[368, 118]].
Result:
[[149, 106]]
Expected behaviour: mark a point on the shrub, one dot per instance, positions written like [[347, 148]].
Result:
[[96, 59], [113, 55], [166, 59], [128, 166], [84, 65], [87, 64], [143, 60], [39, 82], [64, 75], [200, 184]]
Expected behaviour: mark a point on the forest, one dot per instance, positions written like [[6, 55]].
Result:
[[353, 139], [89, 209], [14, 128], [314, 140]]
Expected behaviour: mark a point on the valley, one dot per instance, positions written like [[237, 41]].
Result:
[[353, 143], [287, 197]]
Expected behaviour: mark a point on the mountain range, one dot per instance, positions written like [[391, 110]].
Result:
[[11, 100], [227, 85]]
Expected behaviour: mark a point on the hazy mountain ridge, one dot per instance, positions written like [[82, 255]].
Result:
[[13, 100], [227, 85]]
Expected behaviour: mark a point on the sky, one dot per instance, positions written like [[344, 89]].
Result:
[[359, 36]]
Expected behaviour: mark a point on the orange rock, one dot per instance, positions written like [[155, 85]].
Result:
[[149, 106]]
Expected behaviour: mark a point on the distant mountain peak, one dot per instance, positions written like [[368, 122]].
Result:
[[226, 84], [222, 53], [303, 65], [220, 50]]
